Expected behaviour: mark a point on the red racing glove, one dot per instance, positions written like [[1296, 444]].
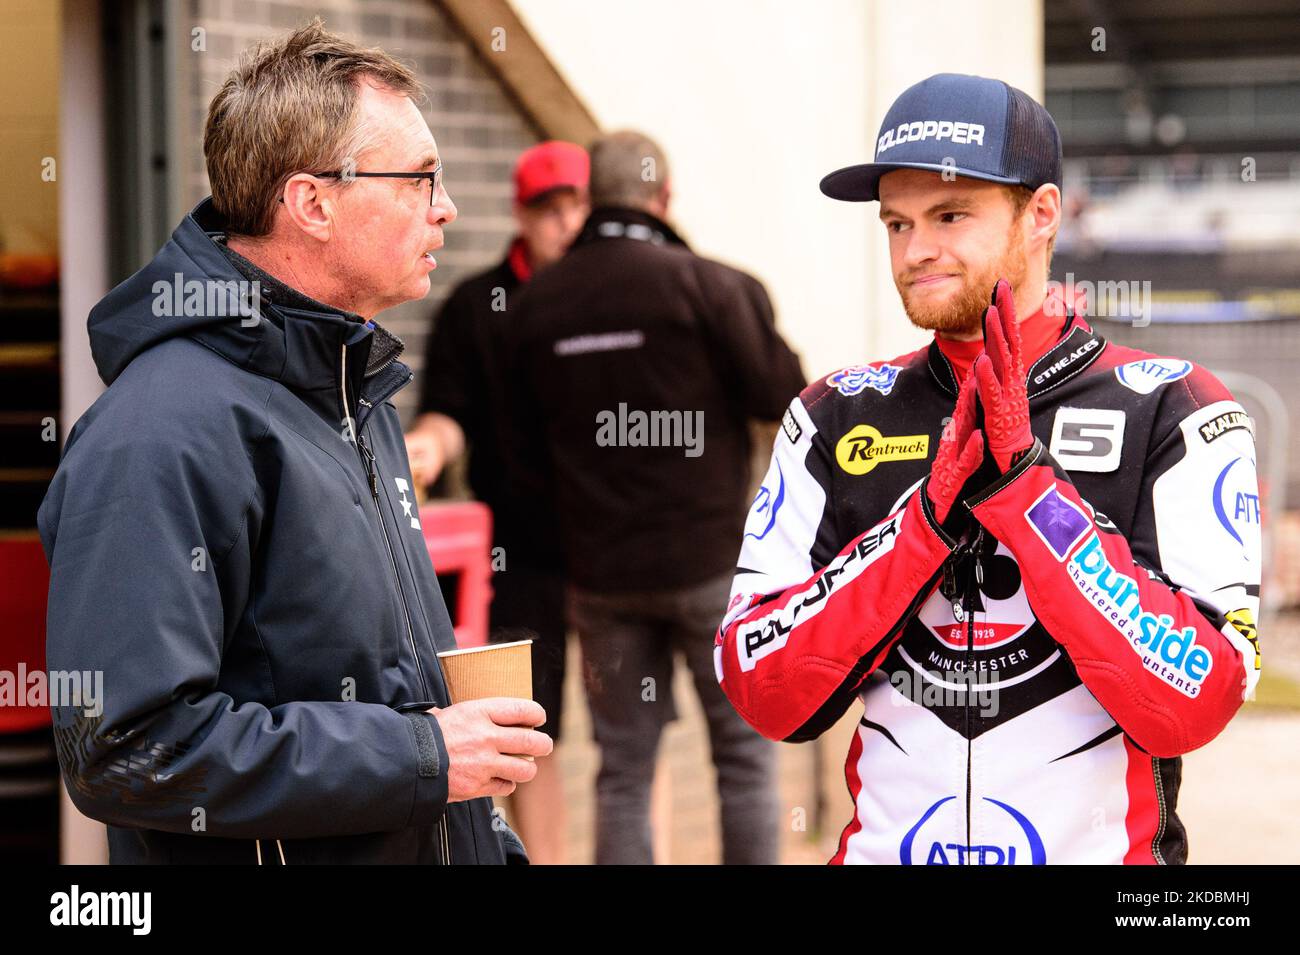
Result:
[[1000, 374], [961, 449]]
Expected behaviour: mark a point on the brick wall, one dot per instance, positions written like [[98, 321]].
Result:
[[478, 128]]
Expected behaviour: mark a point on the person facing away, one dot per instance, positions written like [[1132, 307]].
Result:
[[461, 411], [230, 532], [638, 368]]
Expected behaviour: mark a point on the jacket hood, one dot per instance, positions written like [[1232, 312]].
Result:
[[195, 287]]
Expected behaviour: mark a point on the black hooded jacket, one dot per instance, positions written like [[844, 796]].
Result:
[[234, 550]]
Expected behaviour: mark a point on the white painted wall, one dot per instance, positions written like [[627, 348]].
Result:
[[754, 101]]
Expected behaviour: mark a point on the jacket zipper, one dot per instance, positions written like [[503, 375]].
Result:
[[977, 578], [962, 594], [368, 459]]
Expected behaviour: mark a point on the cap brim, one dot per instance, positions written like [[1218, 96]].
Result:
[[537, 198], [861, 183]]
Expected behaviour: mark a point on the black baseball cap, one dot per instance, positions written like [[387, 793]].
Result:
[[977, 127]]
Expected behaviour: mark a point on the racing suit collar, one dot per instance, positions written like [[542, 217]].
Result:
[[1076, 347]]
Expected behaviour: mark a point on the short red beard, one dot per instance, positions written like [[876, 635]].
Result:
[[962, 311]]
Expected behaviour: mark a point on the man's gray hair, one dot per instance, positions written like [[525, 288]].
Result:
[[627, 169]]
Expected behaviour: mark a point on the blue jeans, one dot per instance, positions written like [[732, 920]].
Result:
[[628, 640]]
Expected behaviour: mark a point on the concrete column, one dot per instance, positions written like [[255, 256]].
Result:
[[906, 43], [83, 232]]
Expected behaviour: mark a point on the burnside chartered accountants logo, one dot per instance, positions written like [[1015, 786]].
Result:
[[1170, 653], [864, 447]]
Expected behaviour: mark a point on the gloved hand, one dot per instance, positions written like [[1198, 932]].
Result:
[[961, 449], [1000, 374]]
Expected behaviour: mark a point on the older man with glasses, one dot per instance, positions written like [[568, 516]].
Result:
[[230, 535]]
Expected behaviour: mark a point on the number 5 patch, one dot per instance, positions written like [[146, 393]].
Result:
[[1087, 439]]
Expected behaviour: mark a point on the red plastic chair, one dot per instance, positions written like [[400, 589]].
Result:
[[24, 589], [459, 538]]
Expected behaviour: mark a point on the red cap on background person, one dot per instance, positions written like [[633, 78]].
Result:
[[548, 166]]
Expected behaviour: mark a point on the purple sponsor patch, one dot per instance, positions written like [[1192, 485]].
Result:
[[1058, 522]]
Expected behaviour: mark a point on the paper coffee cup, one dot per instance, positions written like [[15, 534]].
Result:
[[498, 669]]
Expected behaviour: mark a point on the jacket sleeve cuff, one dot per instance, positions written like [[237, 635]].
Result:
[[432, 762], [513, 846], [1035, 455], [950, 531]]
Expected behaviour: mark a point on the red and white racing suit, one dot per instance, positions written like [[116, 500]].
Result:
[[1031, 672]]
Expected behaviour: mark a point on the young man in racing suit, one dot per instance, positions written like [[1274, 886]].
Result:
[[1031, 553]]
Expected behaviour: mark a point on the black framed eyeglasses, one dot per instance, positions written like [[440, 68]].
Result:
[[433, 177]]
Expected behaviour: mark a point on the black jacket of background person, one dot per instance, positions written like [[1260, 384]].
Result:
[[252, 582], [464, 378], [630, 316]]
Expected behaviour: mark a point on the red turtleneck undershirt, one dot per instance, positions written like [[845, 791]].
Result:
[[1038, 333]]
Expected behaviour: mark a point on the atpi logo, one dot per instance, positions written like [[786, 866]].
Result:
[[1169, 653], [1147, 375], [1236, 499], [858, 378], [862, 448], [1014, 837]]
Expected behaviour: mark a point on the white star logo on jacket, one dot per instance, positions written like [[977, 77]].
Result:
[[403, 487]]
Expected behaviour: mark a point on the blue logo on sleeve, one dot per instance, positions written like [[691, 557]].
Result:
[[1169, 652], [762, 513], [1236, 507], [858, 378], [1147, 375]]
